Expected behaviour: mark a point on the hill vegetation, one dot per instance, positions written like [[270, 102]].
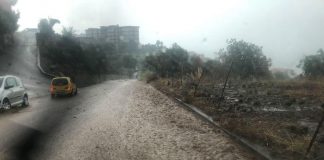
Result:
[[64, 54], [8, 24]]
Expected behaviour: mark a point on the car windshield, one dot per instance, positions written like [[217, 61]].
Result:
[[1, 80], [60, 82], [115, 79]]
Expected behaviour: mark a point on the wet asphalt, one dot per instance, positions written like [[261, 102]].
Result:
[[121, 119]]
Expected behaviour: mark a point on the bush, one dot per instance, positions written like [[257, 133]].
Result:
[[313, 65], [147, 76], [8, 24], [170, 63], [247, 59], [71, 56]]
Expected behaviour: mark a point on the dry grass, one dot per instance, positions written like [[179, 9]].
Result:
[[272, 131], [271, 134], [302, 88]]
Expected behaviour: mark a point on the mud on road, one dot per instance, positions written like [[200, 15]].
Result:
[[128, 119]]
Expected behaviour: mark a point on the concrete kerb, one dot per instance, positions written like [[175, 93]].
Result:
[[39, 66], [243, 142]]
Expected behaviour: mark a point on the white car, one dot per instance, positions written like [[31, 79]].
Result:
[[12, 92]]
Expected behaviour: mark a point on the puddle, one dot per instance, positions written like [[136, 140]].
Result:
[[274, 109]]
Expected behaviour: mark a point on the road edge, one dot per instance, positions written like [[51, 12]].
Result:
[[39, 66], [243, 142]]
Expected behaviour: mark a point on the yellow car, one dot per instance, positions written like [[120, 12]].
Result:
[[63, 86]]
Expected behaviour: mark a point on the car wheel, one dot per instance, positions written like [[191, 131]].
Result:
[[25, 101], [72, 93], [6, 104], [76, 91], [52, 95]]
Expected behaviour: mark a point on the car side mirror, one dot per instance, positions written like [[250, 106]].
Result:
[[8, 87]]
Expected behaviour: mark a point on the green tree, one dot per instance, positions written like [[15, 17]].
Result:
[[129, 62], [215, 69], [45, 26], [46, 35], [169, 63], [247, 58], [158, 47], [313, 65], [8, 23], [68, 32], [196, 60]]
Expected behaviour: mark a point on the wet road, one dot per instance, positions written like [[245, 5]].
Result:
[[21, 62], [123, 119]]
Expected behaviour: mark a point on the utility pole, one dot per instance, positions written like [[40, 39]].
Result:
[[320, 123], [227, 76]]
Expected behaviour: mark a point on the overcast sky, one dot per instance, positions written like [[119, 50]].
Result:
[[286, 29]]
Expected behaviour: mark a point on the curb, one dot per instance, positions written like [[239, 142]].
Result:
[[243, 142], [40, 67]]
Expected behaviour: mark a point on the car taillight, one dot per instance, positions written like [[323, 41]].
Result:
[[51, 88]]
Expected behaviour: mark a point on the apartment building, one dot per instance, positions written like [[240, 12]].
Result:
[[114, 34], [93, 33]]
